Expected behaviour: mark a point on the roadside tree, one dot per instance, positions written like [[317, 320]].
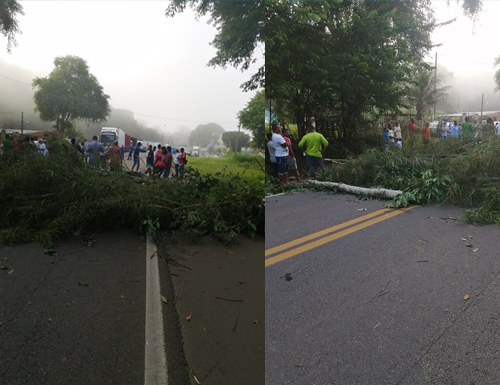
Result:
[[70, 93], [205, 134], [9, 9], [240, 29], [251, 118], [235, 140]]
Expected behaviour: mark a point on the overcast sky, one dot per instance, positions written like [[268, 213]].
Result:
[[146, 62], [467, 49]]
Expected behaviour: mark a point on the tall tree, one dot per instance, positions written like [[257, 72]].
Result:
[[205, 134], [240, 29], [70, 93], [496, 63], [235, 140], [9, 9], [252, 118], [427, 90], [344, 60]]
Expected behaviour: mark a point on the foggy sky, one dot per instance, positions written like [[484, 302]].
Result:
[[146, 62], [468, 51]]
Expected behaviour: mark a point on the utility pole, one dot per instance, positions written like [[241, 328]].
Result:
[[482, 101], [22, 123], [435, 84]]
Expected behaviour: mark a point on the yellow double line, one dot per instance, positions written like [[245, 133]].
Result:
[[378, 216]]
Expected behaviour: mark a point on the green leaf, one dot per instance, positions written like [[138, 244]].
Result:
[[421, 241], [163, 299], [10, 272], [475, 250]]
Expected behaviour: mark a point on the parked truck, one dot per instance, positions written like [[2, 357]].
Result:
[[110, 134], [195, 151]]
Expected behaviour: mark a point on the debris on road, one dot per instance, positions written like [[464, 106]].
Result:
[[469, 245], [227, 299], [83, 284], [188, 318], [300, 271], [10, 272], [475, 250], [466, 297], [163, 299]]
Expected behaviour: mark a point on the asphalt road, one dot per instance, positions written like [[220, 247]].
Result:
[[383, 304], [76, 317]]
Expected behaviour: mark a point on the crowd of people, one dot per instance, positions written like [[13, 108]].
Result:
[[283, 158], [159, 158]]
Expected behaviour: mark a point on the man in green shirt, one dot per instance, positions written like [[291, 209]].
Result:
[[313, 141]]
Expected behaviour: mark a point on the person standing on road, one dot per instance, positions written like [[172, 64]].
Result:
[[149, 160], [123, 151], [272, 154], [281, 154], [114, 154], [94, 150], [397, 135], [454, 130], [130, 152], [313, 142], [181, 158], [167, 154], [137, 151], [292, 162], [390, 132], [426, 133], [445, 132], [385, 139]]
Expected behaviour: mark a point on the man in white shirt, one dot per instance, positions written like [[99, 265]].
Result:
[[272, 154], [43, 148], [281, 154], [397, 134], [497, 125]]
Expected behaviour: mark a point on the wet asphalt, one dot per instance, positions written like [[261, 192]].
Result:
[[383, 305]]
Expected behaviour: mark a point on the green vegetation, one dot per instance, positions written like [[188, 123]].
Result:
[[70, 93], [243, 164], [44, 198], [464, 173]]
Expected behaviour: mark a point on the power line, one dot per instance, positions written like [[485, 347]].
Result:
[[136, 113]]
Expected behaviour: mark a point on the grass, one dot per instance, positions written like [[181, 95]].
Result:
[[243, 164]]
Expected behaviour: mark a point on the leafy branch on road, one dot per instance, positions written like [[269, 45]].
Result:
[[51, 197]]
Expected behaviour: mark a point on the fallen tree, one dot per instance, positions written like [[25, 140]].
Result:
[[378, 192], [44, 198]]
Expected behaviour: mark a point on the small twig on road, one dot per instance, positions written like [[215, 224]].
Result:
[[231, 300], [184, 284], [302, 270], [423, 261], [152, 255], [380, 293]]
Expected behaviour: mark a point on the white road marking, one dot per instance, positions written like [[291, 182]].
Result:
[[155, 369]]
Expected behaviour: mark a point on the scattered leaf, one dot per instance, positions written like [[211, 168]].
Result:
[[475, 250], [421, 241], [466, 297], [468, 245], [123, 298], [51, 252], [52, 262], [83, 284], [361, 209], [163, 299], [3, 267], [256, 322], [299, 365], [229, 252], [469, 237], [68, 304], [0, 324], [464, 239], [452, 218], [29, 303], [5, 259], [50, 319], [10, 272], [188, 317]]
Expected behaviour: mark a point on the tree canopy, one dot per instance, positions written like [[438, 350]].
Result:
[[205, 134], [9, 9], [235, 140], [240, 29], [251, 118], [340, 61], [70, 93], [427, 90]]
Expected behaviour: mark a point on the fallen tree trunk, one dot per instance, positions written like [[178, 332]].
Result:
[[380, 192]]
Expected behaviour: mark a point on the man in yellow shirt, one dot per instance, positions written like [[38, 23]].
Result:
[[312, 142]]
